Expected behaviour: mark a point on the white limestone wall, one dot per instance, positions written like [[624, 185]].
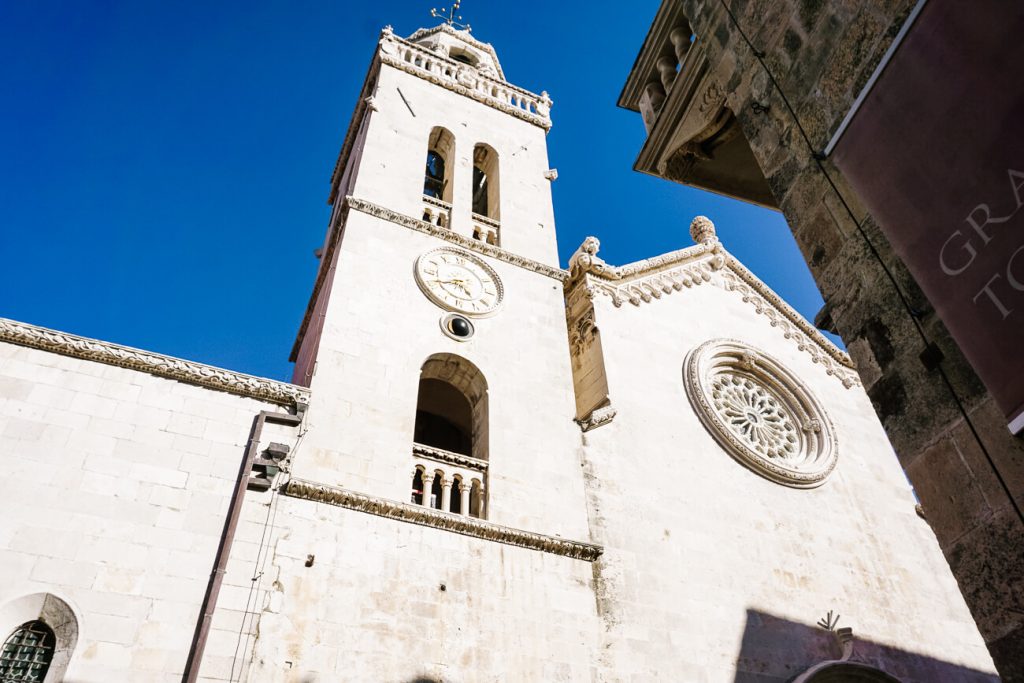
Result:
[[393, 601], [395, 152], [116, 486], [694, 540], [379, 330]]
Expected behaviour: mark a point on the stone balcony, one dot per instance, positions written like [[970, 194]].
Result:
[[448, 481]]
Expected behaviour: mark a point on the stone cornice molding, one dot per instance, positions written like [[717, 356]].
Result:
[[151, 363], [808, 339], [445, 521], [650, 279], [498, 253], [465, 80], [449, 458]]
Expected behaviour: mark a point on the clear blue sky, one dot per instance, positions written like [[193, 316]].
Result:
[[165, 165]]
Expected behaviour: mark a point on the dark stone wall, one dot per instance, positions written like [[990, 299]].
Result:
[[805, 63]]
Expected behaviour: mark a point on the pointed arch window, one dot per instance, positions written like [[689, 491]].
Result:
[[27, 653]]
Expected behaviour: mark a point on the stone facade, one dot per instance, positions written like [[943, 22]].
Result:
[[762, 86], [656, 471]]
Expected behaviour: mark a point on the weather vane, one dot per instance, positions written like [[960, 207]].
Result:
[[450, 17]]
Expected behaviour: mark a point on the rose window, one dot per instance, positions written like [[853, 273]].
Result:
[[760, 413]]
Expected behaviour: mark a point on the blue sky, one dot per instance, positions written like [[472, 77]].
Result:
[[165, 165]]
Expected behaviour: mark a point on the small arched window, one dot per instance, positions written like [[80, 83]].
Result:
[[27, 653], [437, 173], [485, 182]]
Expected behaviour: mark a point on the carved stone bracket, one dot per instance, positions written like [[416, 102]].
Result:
[[156, 364], [446, 521], [598, 418], [372, 209]]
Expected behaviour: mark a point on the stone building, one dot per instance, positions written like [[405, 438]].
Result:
[[488, 468], [863, 124]]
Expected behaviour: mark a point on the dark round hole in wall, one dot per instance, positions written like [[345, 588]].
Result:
[[460, 327]]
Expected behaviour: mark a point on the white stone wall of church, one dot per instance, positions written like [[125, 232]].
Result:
[[372, 606], [393, 160], [116, 486], [694, 540], [378, 332]]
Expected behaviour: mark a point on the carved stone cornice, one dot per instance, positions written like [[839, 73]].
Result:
[[465, 80], [650, 279], [598, 418], [449, 458], [736, 278], [372, 209], [156, 364], [446, 521]]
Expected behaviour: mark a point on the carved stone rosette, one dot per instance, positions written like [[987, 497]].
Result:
[[761, 413]]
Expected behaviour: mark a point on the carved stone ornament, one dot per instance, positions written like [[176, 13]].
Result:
[[156, 364], [760, 413], [598, 418], [446, 521]]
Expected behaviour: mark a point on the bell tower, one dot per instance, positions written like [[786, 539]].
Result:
[[435, 339]]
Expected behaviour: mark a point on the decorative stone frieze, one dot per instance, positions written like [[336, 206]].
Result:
[[736, 278], [156, 364], [761, 413], [598, 418], [446, 521], [372, 209]]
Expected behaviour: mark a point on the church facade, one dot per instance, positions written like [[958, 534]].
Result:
[[486, 468]]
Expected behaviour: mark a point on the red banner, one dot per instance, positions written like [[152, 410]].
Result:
[[936, 151]]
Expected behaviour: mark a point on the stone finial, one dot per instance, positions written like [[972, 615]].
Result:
[[586, 260], [702, 230]]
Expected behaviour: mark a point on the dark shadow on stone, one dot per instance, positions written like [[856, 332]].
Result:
[[777, 650]]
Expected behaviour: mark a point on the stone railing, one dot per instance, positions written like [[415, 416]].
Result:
[[465, 79], [437, 212], [486, 230], [452, 473], [668, 66]]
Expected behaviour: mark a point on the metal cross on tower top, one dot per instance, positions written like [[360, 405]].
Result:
[[450, 17]]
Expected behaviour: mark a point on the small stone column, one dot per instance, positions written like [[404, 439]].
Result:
[[481, 511], [464, 490], [667, 69], [680, 37], [446, 494], [412, 496]]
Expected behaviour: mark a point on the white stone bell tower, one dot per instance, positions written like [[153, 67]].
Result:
[[435, 340]]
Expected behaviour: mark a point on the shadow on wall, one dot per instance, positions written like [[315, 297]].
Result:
[[777, 650]]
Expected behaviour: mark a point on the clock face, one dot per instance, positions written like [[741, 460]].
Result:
[[459, 281]]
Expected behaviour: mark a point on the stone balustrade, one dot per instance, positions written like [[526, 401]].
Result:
[[448, 481], [437, 212], [465, 79], [487, 230]]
